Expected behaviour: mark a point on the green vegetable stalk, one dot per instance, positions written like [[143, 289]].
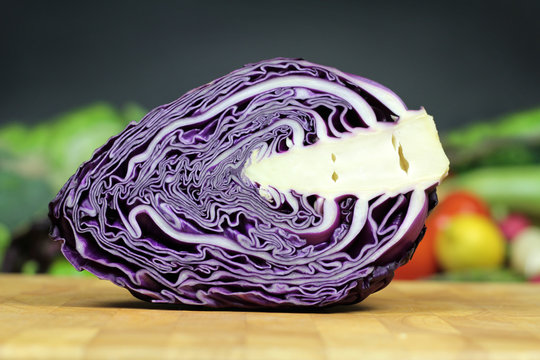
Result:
[[514, 188]]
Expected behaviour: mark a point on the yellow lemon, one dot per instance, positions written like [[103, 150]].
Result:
[[470, 241]]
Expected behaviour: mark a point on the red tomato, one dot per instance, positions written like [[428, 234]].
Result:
[[424, 262], [459, 202]]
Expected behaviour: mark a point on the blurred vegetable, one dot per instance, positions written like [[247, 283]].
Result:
[[62, 267], [424, 261], [513, 224], [499, 161], [515, 188], [470, 241], [30, 267], [34, 162], [510, 140], [525, 252], [4, 241], [31, 245], [460, 202], [483, 275], [24, 199]]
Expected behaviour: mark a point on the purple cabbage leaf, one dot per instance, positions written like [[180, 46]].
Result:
[[282, 184]]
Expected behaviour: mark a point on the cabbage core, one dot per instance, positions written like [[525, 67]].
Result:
[[390, 158]]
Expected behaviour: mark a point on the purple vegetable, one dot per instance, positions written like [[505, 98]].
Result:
[[281, 184]]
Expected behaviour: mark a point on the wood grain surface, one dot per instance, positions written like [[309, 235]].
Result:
[[84, 318]]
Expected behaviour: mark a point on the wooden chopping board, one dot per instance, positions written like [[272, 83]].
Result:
[[43, 317]]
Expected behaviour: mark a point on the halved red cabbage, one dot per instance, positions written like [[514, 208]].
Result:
[[281, 184]]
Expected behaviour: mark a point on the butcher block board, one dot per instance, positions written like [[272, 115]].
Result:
[[44, 317]]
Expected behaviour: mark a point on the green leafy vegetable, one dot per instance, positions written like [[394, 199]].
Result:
[[510, 140], [23, 199]]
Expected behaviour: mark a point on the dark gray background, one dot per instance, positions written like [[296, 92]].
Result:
[[463, 60]]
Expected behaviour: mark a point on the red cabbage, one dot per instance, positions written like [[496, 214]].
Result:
[[282, 184]]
